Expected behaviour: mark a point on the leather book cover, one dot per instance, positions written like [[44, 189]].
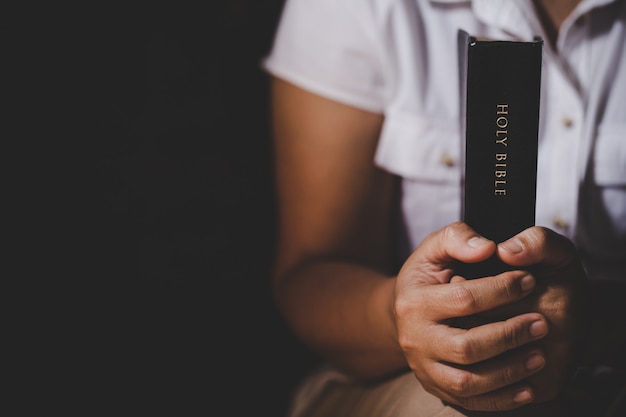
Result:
[[500, 93]]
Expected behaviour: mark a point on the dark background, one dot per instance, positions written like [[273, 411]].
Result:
[[158, 213], [138, 176]]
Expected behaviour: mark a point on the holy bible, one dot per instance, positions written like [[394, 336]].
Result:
[[500, 93]]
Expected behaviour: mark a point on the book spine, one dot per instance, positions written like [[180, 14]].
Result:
[[500, 97]]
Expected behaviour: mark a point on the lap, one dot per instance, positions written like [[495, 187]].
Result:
[[326, 394]]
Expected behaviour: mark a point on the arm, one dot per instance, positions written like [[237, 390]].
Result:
[[334, 210]]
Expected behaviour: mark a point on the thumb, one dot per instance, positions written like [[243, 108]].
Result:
[[435, 258]]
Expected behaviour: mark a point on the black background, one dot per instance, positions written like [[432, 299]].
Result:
[[146, 181]]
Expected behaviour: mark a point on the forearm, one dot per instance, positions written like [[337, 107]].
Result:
[[344, 312]]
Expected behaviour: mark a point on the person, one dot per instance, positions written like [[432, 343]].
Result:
[[365, 116]]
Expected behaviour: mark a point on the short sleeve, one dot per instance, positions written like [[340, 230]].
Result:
[[330, 48]]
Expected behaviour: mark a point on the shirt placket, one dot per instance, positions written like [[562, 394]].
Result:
[[563, 130], [559, 147]]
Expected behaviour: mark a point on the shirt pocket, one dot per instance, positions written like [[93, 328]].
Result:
[[425, 153], [420, 148]]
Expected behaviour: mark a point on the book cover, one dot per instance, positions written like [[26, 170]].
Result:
[[500, 94]]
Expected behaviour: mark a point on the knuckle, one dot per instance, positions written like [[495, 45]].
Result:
[[509, 287], [477, 404], [538, 234], [535, 236], [511, 336], [402, 306], [405, 341], [508, 376], [540, 237], [463, 350], [465, 300], [454, 231], [460, 384], [498, 405], [533, 239], [494, 405], [447, 231]]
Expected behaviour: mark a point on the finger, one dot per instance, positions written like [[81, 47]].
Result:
[[468, 297], [537, 245], [440, 250], [489, 376], [481, 343], [456, 279], [504, 399]]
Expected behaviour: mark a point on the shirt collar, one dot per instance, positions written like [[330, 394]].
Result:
[[517, 17], [592, 3], [512, 16]]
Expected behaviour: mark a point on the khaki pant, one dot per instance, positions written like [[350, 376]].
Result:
[[325, 394]]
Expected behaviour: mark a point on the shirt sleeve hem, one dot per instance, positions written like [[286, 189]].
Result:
[[331, 92]]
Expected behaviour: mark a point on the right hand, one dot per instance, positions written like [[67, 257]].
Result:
[[481, 366]]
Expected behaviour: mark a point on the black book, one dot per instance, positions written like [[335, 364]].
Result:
[[500, 93]]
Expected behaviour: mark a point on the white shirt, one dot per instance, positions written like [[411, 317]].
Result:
[[399, 58]]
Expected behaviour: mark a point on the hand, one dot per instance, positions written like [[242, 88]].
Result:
[[554, 262], [484, 367]]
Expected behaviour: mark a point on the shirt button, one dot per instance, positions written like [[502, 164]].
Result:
[[567, 122], [447, 160], [560, 223]]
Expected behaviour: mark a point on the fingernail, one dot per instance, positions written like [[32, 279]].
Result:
[[538, 328], [477, 241], [522, 396], [534, 362], [527, 283], [512, 245]]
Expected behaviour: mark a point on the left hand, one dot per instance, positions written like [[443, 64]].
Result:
[[554, 261]]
